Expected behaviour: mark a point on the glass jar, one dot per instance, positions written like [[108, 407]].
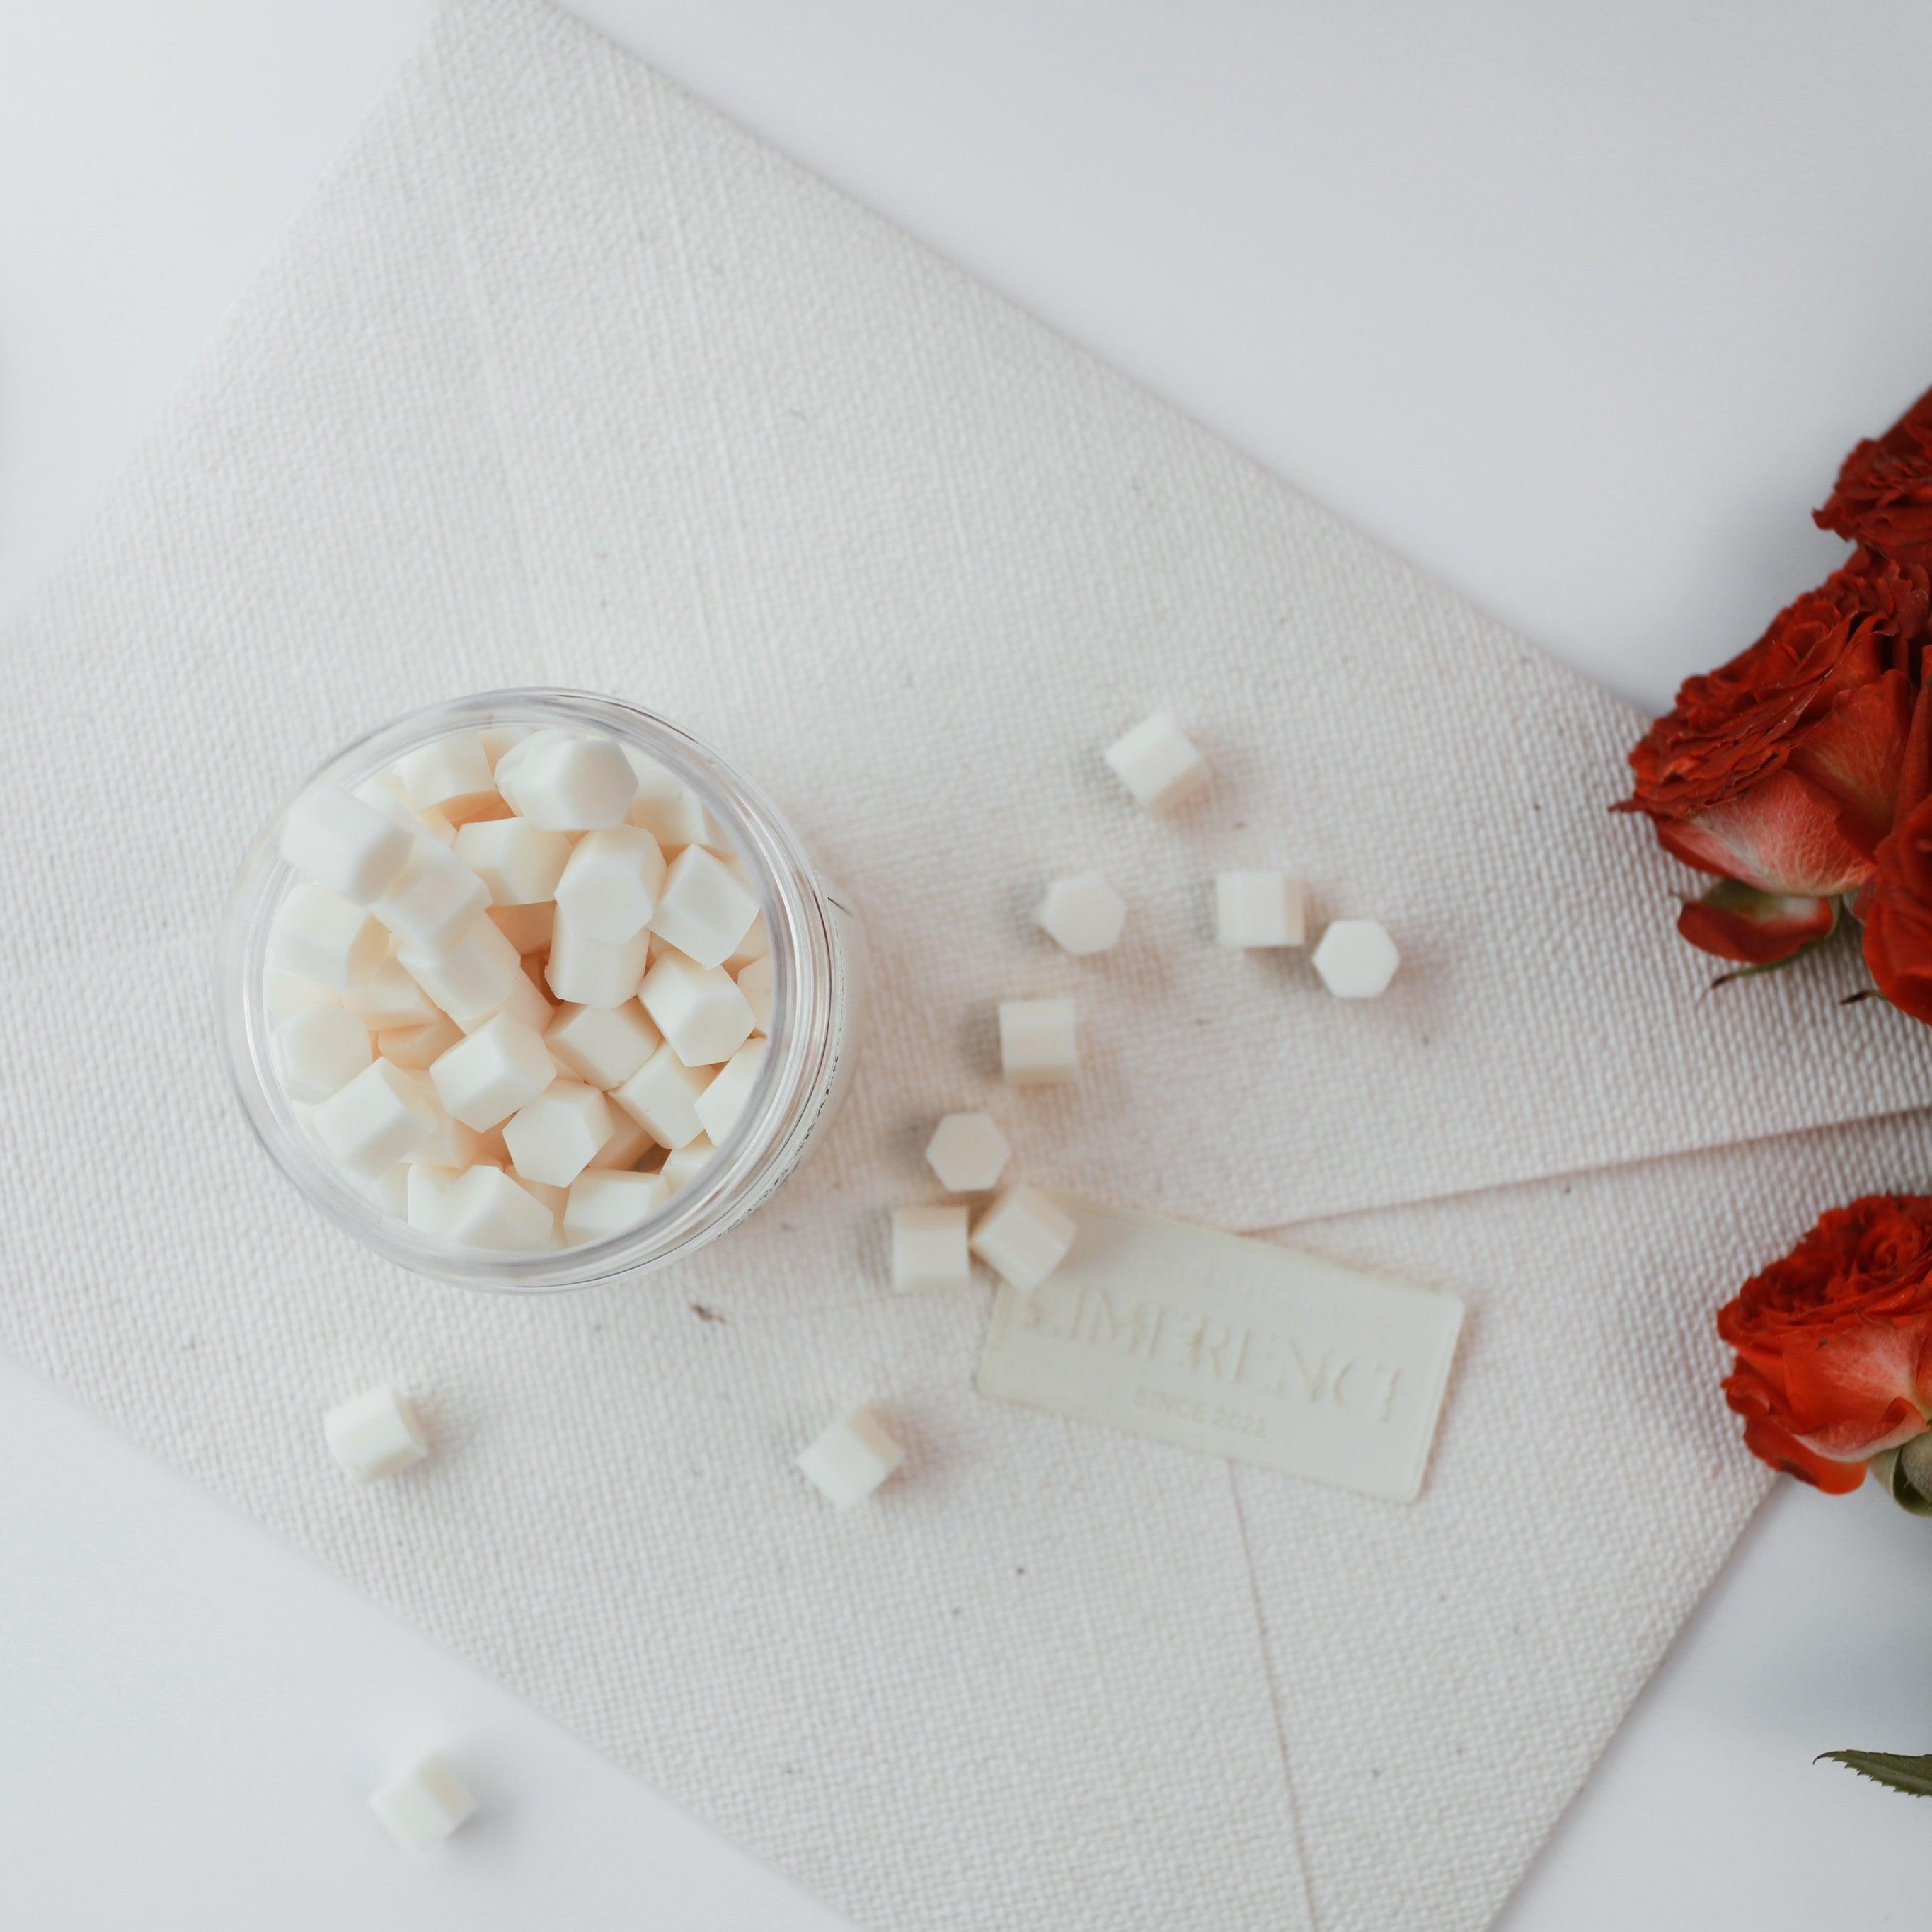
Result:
[[814, 952]]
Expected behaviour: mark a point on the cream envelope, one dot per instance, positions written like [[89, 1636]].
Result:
[[563, 379]]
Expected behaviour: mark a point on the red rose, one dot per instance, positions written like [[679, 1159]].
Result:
[[1896, 905], [1834, 1342], [1779, 772], [1884, 494]]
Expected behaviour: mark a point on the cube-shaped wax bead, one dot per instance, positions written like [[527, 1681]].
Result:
[[423, 1803], [435, 901], [588, 972], [609, 889], [502, 1066], [1356, 959], [604, 1046], [316, 935], [1081, 913], [1157, 763], [553, 1199], [929, 1248], [1023, 1238], [967, 1152], [755, 981], [722, 1104], [339, 842], [374, 1434], [703, 1016], [630, 1141], [662, 1094], [419, 1047], [389, 997], [1257, 910], [682, 1165], [851, 1459], [450, 775], [520, 863], [567, 783], [1038, 1047], [381, 1116], [602, 1203], [704, 909], [554, 1138], [472, 980], [318, 1051], [527, 927], [665, 806], [484, 1208]]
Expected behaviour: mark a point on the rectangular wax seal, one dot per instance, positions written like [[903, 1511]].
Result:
[[1232, 1347]]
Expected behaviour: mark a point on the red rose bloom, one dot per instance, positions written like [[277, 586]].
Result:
[[1834, 1342], [1779, 772], [1884, 494], [1896, 905]]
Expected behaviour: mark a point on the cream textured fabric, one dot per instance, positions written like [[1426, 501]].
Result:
[[563, 379]]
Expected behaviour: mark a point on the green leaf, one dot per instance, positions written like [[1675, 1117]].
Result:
[[1911, 1775]]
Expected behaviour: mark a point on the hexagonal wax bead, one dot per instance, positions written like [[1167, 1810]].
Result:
[[1038, 1045], [662, 1095], [449, 775], [585, 971], [470, 980], [423, 1804], [501, 1067], [699, 1009], [376, 1119], [435, 900], [1257, 909], [318, 935], [721, 1103], [1356, 958], [484, 1208], [567, 783], [554, 1138], [705, 910], [519, 861], [1023, 1238], [929, 1248], [603, 1203], [342, 843], [1157, 763], [851, 1459], [968, 1152], [610, 888], [604, 1046], [1081, 913], [374, 1434]]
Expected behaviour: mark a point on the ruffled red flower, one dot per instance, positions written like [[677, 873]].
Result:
[[1779, 770], [1883, 499], [1834, 1342]]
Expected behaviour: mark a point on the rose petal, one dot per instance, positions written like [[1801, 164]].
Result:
[[1753, 928], [1782, 835], [1770, 1443]]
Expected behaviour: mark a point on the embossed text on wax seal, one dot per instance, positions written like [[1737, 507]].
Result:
[[1233, 1347]]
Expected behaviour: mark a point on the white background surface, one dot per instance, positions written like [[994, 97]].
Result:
[[1578, 313]]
